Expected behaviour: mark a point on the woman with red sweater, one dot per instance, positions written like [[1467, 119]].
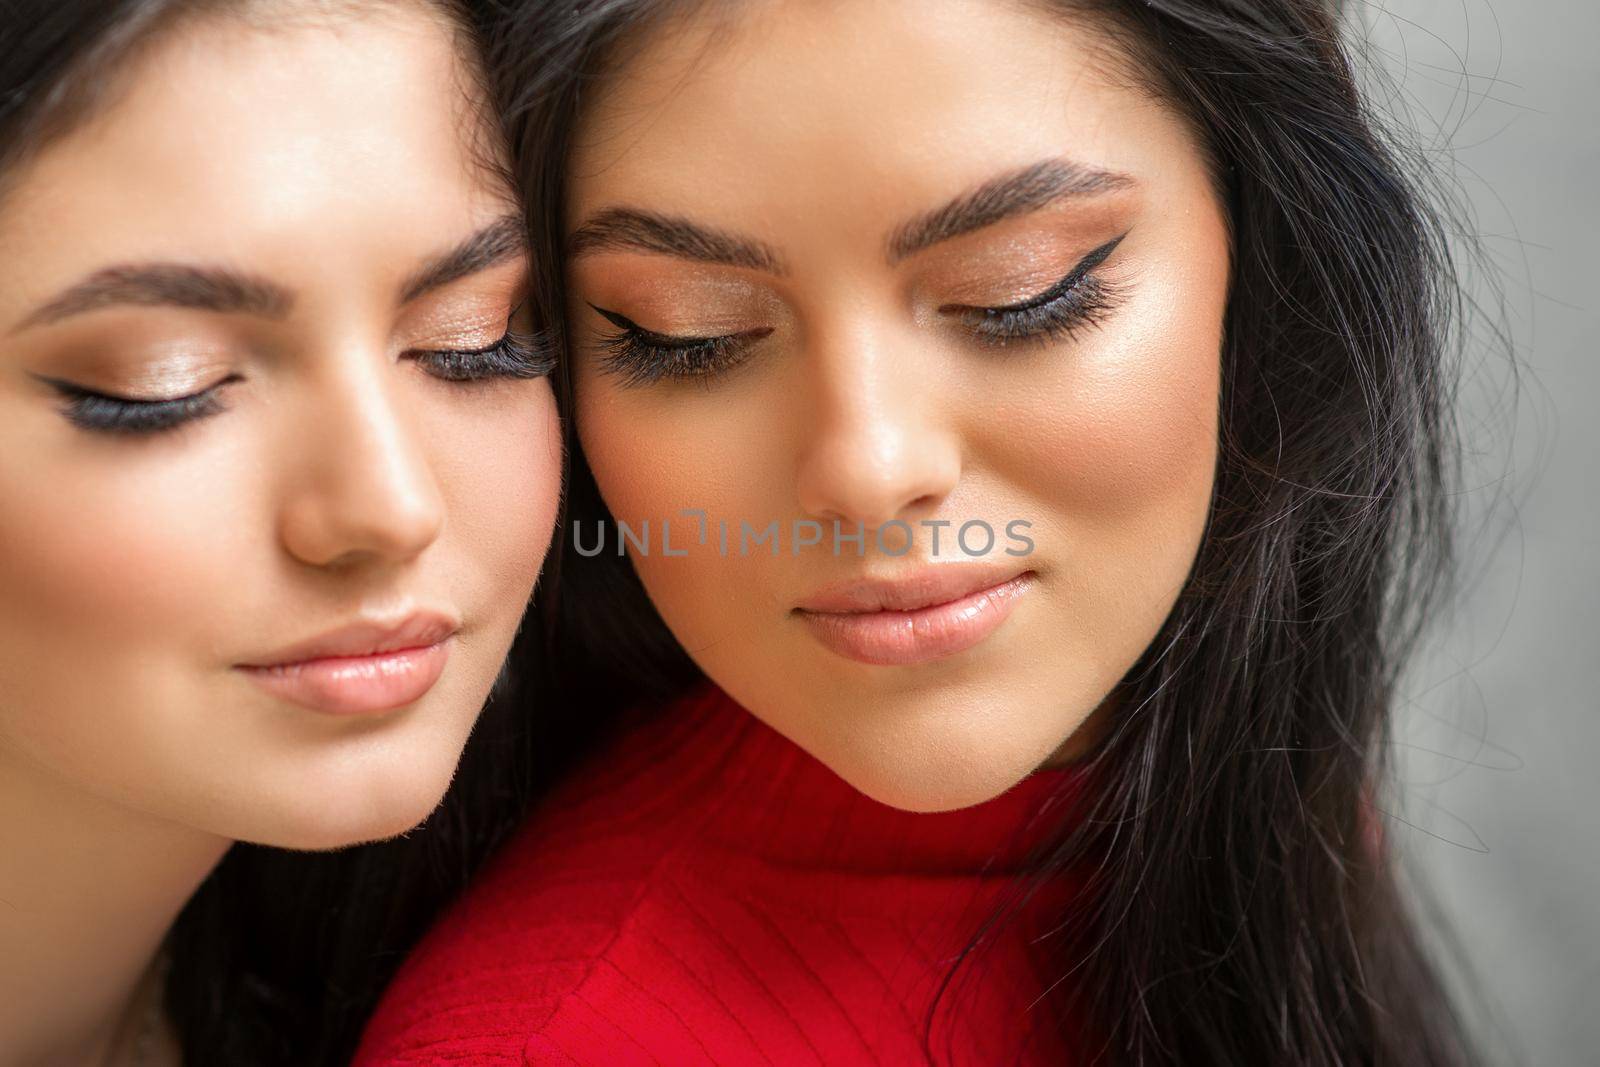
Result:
[[1008, 465]]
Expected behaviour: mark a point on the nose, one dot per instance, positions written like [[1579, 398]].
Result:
[[879, 445], [360, 487]]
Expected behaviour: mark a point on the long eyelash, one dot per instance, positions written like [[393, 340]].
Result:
[[515, 355], [641, 357], [640, 362], [1086, 303], [1080, 299], [103, 413]]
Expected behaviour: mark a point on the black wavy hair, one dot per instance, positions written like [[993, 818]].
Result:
[[1243, 906]]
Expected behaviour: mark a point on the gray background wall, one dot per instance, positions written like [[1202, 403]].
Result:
[[1499, 743]]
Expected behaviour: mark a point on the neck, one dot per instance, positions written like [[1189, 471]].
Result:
[[88, 890]]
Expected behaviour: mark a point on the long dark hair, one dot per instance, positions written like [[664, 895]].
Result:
[[279, 957], [1243, 906]]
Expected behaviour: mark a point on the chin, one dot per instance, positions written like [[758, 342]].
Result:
[[927, 797], [927, 769], [327, 830], [370, 801]]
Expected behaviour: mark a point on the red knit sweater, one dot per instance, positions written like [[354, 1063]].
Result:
[[707, 892]]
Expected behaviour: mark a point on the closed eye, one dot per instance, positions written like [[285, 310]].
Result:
[[108, 413], [1080, 298], [640, 356], [515, 355]]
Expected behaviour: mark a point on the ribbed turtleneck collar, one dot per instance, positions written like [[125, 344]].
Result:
[[756, 793]]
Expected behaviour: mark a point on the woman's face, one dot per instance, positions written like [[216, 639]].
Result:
[[958, 268], [273, 610]]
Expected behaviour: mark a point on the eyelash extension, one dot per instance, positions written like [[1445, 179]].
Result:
[[641, 357], [1077, 300], [515, 355], [104, 413]]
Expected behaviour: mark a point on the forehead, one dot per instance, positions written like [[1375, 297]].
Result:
[[231, 141], [880, 105]]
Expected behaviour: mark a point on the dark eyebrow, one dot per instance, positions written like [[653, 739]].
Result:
[[495, 243], [620, 227], [224, 290], [171, 284], [1016, 193]]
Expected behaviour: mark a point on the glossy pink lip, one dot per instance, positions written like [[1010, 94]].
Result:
[[360, 669], [934, 613]]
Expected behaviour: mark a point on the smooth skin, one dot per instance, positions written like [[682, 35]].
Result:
[[333, 159], [818, 134]]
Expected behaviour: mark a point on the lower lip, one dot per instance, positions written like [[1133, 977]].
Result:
[[901, 638], [356, 685]]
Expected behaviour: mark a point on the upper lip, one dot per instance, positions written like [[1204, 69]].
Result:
[[921, 588], [367, 637]]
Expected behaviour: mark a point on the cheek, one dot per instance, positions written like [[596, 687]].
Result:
[[498, 464], [126, 553], [121, 571], [658, 450], [641, 450], [1137, 439], [651, 459], [1120, 452]]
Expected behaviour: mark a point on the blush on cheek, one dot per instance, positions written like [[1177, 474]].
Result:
[[1158, 435], [1136, 414], [110, 563], [1140, 439], [117, 592]]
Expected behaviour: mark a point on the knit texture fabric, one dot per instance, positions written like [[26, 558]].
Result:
[[706, 892]]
